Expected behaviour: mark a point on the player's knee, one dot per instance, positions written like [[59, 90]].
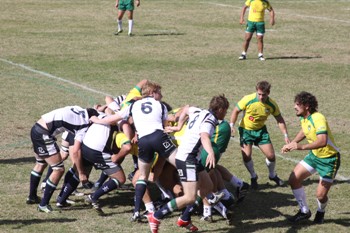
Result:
[[58, 167]]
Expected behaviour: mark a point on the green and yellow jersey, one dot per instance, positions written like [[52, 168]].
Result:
[[222, 135], [256, 112], [314, 125], [133, 93], [257, 9]]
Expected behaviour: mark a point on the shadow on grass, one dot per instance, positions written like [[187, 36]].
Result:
[[19, 223], [292, 57], [16, 161]]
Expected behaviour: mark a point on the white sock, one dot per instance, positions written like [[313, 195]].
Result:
[[260, 54], [120, 25], [227, 194], [221, 209], [250, 166], [300, 196], [131, 24], [236, 182], [244, 53], [271, 166], [206, 210], [321, 206], [150, 207]]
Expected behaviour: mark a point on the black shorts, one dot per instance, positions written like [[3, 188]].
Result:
[[68, 137], [157, 141], [44, 144], [188, 170], [99, 160]]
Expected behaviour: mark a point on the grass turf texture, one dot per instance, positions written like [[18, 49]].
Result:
[[191, 48]]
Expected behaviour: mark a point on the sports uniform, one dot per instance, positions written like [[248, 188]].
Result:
[[256, 17], [73, 119], [324, 160], [252, 127], [188, 154]]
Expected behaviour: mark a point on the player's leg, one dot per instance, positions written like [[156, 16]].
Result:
[[260, 38], [246, 150], [130, 21], [56, 163], [120, 21], [35, 176], [301, 171], [270, 160]]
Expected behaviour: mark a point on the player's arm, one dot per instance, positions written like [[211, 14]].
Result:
[[283, 127], [124, 151], [206, 143], [241, 20], [233, 119], [272, 16], [116, 4], [182, 119]]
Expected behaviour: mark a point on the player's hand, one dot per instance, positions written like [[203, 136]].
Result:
[[241, 21], [83, 178], [272, 22], [93, 119], [210, 162], [137, 3]]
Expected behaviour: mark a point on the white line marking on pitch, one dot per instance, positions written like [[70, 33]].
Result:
[[52, 76]]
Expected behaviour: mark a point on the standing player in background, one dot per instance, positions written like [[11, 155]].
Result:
[[122, 6], [252, 129], [256, 23], [323, 156]]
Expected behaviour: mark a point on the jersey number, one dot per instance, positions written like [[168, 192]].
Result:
[[78, 112], [146, 108], [190, 125]]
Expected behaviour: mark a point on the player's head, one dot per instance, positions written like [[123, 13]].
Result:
[[307, 101], [92, 112], [219, 105], [263, 90], [152, 89]]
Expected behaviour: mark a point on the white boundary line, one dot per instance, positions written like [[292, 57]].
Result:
[[52, 76], [294, 15], [99, 92]]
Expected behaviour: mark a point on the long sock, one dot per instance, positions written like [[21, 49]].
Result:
[[140, 189], [271, 166], [300, 196], [34, 183], [69, 187], [69, 174], [135, 160], [49, 189], [105, 188], [101, 180], [131, 25], [120, 25], [321, 206], [250, 166], [236, 182], [165, 209], [206, 210], [48, 173]]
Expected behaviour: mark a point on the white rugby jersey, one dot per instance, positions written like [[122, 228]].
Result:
[[71, 118], [148, 115], [200, 121], [101, 137]]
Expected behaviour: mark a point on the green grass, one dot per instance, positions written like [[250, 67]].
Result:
[[191, 48]]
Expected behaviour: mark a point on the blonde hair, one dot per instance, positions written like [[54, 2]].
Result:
[[150, 87]]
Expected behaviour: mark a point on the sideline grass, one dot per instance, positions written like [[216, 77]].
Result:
[[191, 49]]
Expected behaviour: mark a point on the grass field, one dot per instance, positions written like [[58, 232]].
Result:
[[58, 53]]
